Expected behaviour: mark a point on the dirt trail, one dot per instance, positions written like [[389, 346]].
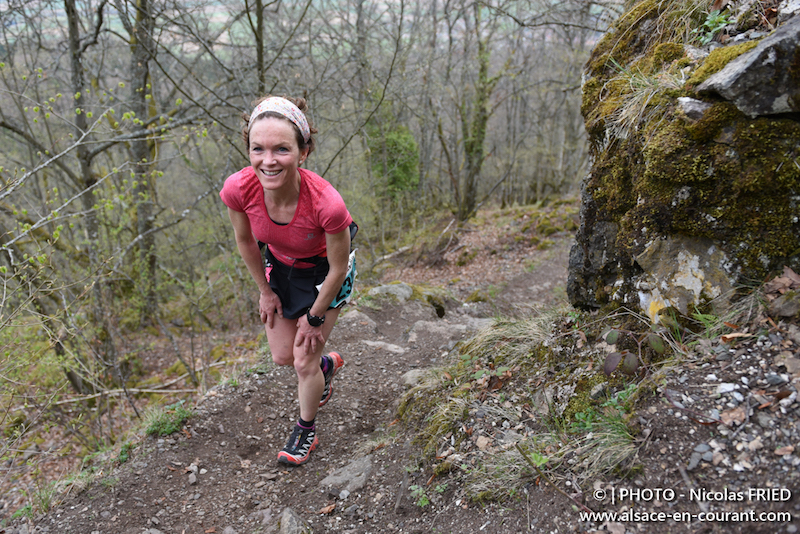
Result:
[[220, 474], [725, 421]]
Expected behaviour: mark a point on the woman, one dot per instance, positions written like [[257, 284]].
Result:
[[305, 225]]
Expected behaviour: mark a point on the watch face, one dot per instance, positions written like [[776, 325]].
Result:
[[313, 320]]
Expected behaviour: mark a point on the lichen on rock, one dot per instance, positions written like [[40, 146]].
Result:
[[683, 274]]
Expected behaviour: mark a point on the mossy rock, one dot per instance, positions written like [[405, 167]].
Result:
[[545, 244], [725, 176], [665, 53], [176, 369], [436, 297], [218, 353], [478, 295]]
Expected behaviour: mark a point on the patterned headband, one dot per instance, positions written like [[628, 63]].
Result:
[[287, 109]]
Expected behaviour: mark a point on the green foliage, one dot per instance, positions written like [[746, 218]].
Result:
[[538, 459], [575, 317], [715, 21], [125, 452], [420, 496], [25, 511], [711, 325], [474, 360], [584, 421], [395, 156], [40, 499], [621, 401], [611, 412], [393, 150], [164, 421]]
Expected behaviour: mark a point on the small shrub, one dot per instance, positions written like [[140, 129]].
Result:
[[165, 421], [714, 23], [418, 492], [25, 511], [125, 452]]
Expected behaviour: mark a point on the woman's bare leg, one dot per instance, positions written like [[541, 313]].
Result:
[[310, 381]]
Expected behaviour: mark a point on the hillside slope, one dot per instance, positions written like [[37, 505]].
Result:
[[715, 427]]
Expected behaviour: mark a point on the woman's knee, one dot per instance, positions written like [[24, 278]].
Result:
[[283, 357], [306, 364]]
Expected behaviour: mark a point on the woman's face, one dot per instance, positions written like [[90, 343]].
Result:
[[274, 153]]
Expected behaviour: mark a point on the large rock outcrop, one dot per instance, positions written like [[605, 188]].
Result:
[[695, 182]]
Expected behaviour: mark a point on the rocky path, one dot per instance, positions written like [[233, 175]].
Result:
[[220, 475], [720, 431]]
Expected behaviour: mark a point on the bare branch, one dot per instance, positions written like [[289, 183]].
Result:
[[383, 92], [120, 253], [98, 25]]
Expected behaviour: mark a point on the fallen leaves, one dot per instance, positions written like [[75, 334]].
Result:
[[492, 379], [774, 291], [327, 509], [483, 442], [782, 394], [756, 444], [734, 415], [789, 281], [727, 338], [496, 382]]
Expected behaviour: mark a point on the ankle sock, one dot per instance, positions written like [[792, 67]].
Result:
[[324, 364], [306, 425]]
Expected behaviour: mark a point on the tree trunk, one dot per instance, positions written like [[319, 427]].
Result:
[[474, 119], [107, 352], [258, 33], [143, 156]]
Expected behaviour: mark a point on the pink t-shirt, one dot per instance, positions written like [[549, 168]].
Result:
[[320, 210]]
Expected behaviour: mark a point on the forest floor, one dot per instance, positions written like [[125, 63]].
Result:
[[219, 473]]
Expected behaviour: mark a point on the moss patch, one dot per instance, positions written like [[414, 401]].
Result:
[[717, 59]]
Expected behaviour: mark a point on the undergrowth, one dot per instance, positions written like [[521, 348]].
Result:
[[540, 394], [538, 385]]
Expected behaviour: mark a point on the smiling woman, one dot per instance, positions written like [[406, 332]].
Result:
[[275, 158], [302, 224]]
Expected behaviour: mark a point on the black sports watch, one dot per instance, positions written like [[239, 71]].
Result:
[[313, 320]]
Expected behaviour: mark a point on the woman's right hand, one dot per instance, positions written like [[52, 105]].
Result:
[[268, 305]]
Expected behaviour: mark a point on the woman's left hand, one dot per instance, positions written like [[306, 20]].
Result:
[[310, 337]]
